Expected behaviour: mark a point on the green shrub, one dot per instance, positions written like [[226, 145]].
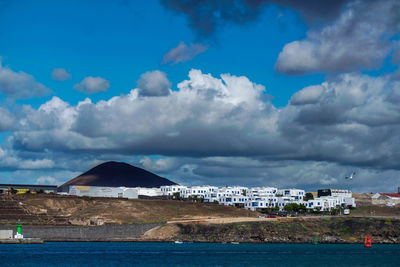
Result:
[[308, 196]]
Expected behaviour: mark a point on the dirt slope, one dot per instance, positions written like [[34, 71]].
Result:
[[88, 210]]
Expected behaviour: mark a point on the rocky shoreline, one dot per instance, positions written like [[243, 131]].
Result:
[[328, 230], [332, 230]]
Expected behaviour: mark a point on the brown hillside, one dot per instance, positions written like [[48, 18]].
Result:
[[88, 210]]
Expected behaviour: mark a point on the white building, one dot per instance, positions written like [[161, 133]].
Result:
[[99, 191], [329, 199], [262, 192], [170, 190], [199, 191], [258, 198], [296, 195], [234, 200], [389, 199], [150, 192]]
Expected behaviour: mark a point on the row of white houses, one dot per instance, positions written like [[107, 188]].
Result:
[[257, 198]]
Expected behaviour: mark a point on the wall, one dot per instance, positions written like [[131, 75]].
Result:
[[85, 233], [5, 234]]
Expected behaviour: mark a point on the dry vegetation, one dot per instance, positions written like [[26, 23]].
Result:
[[83, 210]]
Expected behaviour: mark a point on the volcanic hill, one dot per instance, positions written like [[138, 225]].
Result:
[[115, 174]]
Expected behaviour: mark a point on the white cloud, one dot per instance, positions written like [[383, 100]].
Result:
[[196, 118], [6, 120], [20, 84], [60, 74], [358, 39], [308, 95], [37, 164], [220, 129], [91, 85], [9, 159], [158, 165], [47, 180], [154, 83], [183, 53]]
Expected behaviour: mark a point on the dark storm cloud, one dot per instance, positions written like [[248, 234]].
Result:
[[207, 16]]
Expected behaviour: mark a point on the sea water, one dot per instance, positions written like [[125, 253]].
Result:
[[196, 254]]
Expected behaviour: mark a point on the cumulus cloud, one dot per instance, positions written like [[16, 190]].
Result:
[[44, 180], [183, 53], [9, 160], [358, 39], [36, 164], [161, 165], [60, 74], [20, 85], [308, 95], [196, 119], [6, 120], [220, 130], [344, 35], [154, 83], [91, 85]]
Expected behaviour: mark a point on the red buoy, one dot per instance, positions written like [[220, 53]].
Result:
[[368, 242]]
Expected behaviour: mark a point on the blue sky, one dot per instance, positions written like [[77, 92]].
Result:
[[329, 71], [121, 40]]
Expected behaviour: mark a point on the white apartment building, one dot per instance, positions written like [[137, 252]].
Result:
[[297, 195], [234, 200], [323, 203], [199, 191], [170, 190], [262, 192], [257, 198]]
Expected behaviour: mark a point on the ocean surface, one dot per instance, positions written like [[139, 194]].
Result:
[[196, 254]]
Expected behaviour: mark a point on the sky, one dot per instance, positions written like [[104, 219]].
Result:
[[291, 94]]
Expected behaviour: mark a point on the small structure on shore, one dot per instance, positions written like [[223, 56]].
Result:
[[368, 242], [19, 235], [6, 237]]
